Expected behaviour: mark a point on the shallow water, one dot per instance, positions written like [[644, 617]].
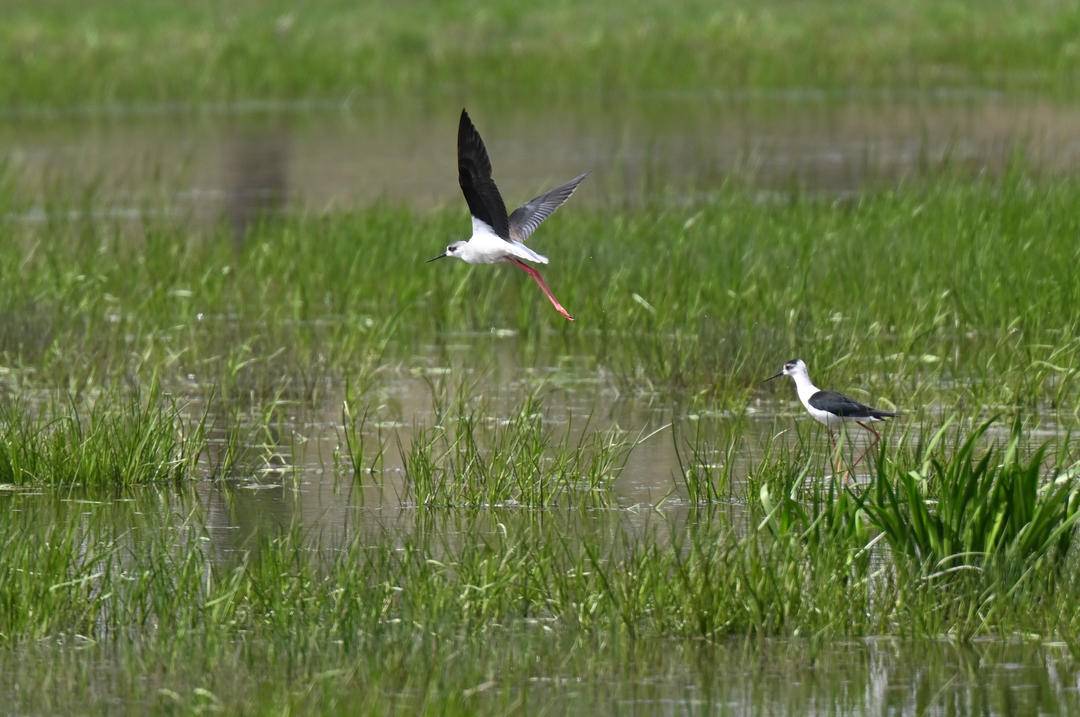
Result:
[[268, 158], [238, 166], [872, 676], [294, 472]]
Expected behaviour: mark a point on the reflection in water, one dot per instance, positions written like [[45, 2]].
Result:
[[257, 169], [796, 677], [678, 147], [295, 472]]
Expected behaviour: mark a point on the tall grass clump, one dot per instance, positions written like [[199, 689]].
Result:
[[992, 511], [109, 442], [473, 459]]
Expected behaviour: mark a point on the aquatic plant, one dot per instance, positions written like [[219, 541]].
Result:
[[997, 513], [108, 442], [472, 459]]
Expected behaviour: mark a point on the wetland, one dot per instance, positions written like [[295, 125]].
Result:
[[257, 456]]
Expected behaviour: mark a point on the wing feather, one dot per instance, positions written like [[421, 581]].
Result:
[[527, 217], [840, 405], [474, 176]]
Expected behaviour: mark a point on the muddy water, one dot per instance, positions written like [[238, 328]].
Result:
[[239, 164], [294, 472]]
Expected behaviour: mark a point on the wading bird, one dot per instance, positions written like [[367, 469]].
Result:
[[496, 237], [831, 408]]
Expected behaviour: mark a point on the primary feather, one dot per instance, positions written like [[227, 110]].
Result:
[[474, 176]]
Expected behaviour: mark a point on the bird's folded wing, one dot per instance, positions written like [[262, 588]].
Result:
[[839, 405]]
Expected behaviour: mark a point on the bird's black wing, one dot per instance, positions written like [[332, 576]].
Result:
[[840, 405], [526, 218], [474, 176]]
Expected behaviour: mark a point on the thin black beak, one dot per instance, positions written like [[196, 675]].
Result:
[[770, 378], [440, 256]]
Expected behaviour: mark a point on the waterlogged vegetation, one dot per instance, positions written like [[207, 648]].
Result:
[[996, 512], [380, 614], [112, 446], [275, 462], [303, 468], [931, 295]]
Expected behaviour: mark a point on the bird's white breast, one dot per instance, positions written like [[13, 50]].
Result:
[[806, 389], [823, 416], [487, 247], [484, 247]]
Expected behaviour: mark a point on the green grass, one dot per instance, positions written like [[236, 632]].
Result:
[[951, 293], [62, 53], [994, 512], [105, 444], [224, 488], [422, 614], [464, 463]]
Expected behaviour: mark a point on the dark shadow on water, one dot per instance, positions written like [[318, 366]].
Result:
[[257, 169]]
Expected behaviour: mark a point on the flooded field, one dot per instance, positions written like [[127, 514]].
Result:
[[254, 452], [674, 149]]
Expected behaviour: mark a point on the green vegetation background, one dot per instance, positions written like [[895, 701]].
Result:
[[60, 53]]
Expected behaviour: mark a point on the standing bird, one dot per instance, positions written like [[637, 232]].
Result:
[[497, 237], [831, 408]]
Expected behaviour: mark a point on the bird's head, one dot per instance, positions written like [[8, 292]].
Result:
[[791, 368], [452, 249]]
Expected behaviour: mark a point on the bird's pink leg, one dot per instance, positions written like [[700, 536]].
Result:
[[877, 437], [543, 287]]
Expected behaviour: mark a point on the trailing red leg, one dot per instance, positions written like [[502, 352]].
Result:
[[543, 287]]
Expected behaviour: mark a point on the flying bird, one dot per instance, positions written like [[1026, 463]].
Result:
[[496, 237], [831, 408]]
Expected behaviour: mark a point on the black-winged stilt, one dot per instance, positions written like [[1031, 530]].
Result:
[[497, 237], [831, 408]]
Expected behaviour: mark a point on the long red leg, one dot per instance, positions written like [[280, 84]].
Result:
[[837, 455], [877, 437], [543, 287]]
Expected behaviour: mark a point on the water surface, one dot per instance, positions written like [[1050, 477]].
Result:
[[324, 157], [239, 166]]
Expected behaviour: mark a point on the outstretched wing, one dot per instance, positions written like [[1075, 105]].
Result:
[[474, 176], [527, 217]]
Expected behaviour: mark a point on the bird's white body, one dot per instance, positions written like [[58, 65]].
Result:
[[498, 237], [832, 409], [806, 388], [487, 247]]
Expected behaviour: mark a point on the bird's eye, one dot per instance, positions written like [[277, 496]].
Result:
[[450, 250]]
